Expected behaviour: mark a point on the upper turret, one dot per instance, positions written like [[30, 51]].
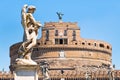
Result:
[[60, 32]]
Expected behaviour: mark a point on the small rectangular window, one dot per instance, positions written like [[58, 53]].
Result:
[[56, 41], [61, 41], [74, 33], [47, 35], [65, 32], [74, 38], [65, 41], [56, 32]]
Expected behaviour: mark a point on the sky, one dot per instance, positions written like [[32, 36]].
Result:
[[97, 19]]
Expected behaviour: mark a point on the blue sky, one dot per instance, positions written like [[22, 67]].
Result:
[[98, 19]]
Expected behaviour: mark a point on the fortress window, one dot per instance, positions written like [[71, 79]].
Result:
[[38, 43], [45, 43], [101, 45], [83, 43], [54, 25], [61, 41], [74, 35], [65, 41], [67, 25], [56, 32], [74, 38], [56, 41], [47, 35], [95, 44], [108, 47], [75, 43], [35, 49], [89, 43], [65, 32]]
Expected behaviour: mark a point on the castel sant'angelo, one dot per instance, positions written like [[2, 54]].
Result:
[[70, 56]]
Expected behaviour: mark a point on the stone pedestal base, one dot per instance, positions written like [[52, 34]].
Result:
[[25, 72]]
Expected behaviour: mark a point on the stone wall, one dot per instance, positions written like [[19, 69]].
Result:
[[64, 49]]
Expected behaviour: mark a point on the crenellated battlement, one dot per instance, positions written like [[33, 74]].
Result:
[[63, 24]]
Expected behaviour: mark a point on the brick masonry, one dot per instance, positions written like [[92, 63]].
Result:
[[78, 53]]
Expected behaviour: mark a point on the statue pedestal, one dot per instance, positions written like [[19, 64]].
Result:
[[25, 72]]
